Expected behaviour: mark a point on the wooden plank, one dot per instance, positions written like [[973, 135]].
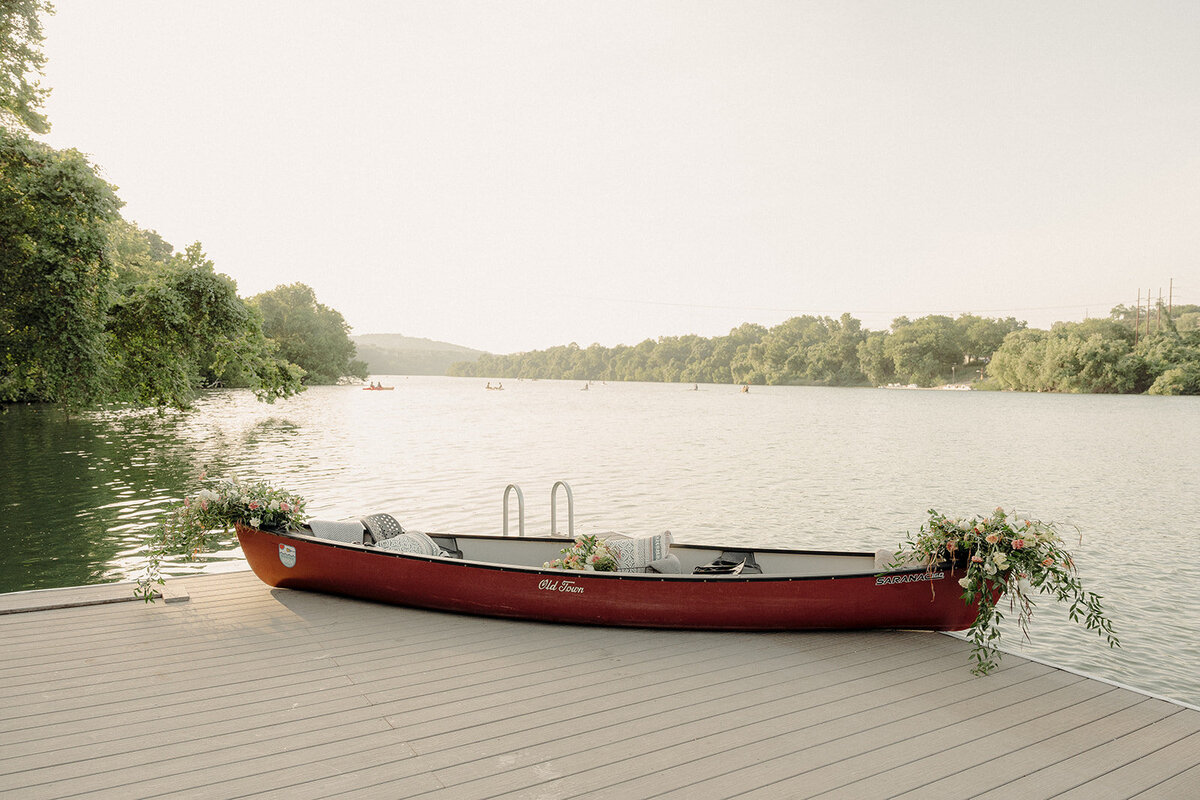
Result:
[[1104, 759], [1044, 757], [77, 596], [737, 739], [889, 744], [1143, 773], [1185, 784], [896, 769]]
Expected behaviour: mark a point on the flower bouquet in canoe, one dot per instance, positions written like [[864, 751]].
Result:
[[1005, 555], [585, 553], [193, 526]]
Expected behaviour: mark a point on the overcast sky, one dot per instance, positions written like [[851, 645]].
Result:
[[516, 175]]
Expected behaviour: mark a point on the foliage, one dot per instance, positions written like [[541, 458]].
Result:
[[807, 350], [309, 333], [189, 527], [21, 62], [925, 350], [54, 273], [586, 553], [1098, 356], [1006, 555], [177, 325]]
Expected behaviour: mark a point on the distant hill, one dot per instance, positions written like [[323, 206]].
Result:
[[395, 354]]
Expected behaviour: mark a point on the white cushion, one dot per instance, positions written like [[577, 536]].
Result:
[[413, 542]]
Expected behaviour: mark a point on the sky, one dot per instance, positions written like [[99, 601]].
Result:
[[516, 175]]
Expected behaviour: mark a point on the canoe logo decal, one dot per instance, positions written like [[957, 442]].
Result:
[[561, 585], [287, 555], [884, 580]]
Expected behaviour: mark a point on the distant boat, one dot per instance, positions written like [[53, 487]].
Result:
[[378, 388]]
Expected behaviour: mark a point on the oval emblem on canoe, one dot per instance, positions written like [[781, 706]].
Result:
[[287, 555]]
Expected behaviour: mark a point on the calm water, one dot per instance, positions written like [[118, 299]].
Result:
[[808, 467]]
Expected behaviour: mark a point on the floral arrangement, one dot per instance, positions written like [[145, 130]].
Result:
[[218, 507], [587, 552], [1005, 555]]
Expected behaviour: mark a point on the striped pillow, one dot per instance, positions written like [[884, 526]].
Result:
[[635, 555]]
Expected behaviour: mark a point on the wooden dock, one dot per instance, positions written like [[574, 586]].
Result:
[[242, 690]]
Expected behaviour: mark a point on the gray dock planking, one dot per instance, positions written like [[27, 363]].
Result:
[[237, 689]]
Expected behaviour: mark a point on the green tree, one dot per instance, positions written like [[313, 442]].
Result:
[[177, 325], [982, 336], [55, 213], [309, 333], [925, 351], [874, 360], [21, 62]]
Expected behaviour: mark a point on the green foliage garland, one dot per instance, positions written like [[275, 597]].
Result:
[[1010, 556]]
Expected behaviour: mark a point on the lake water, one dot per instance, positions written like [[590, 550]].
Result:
[[779, 466]]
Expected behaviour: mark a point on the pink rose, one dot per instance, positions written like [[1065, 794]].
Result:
[[977, 559], [254, 505], [992, 538], [284, 507], [1047, 561], [1018, 544]]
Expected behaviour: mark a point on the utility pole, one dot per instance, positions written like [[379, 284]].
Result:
[[1137, 319], [1147, 312], [1171, 300]]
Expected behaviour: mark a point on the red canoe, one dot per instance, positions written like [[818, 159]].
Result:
[[504, 577]]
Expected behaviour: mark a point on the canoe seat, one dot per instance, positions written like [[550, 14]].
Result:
[[380, 527], [636, 554], [349, 532]]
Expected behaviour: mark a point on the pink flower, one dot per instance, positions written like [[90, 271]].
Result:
[[204, 505], [1018, 544], [284, 507], [977, 559], [992, 538], [254, 505], [1047, 561]]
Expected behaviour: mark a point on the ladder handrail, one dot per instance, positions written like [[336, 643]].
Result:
[[554, 509], [520, 509]]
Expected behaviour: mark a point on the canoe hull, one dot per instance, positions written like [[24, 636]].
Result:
[[908, 600]]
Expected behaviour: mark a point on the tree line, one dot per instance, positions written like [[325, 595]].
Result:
[[94, 309], [1101, 355]]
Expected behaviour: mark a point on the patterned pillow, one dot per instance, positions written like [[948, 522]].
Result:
[[635, 555], [413, 542]]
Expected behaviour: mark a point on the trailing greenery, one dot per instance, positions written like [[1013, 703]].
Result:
[[1005, 555], [189, 528]]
